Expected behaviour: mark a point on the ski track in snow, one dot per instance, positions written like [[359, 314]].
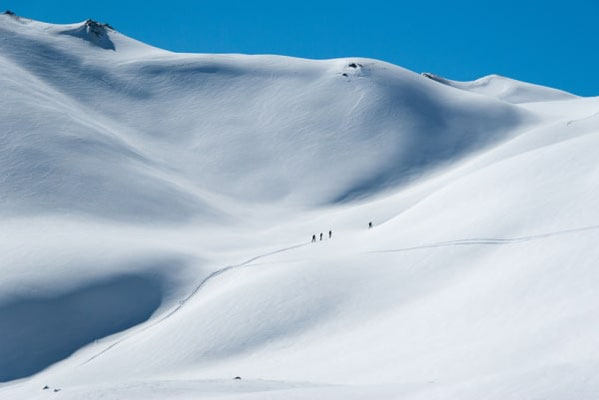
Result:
[[582, 119], [457, 242], [489, 241], [193, 293]]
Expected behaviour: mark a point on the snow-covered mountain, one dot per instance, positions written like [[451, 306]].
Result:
[[157, 210]]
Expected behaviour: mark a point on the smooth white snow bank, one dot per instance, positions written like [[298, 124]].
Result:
[[157, 209], [506, 89]]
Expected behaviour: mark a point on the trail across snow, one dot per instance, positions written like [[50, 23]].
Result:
[[491, 241], [247, 263], [196, 289]]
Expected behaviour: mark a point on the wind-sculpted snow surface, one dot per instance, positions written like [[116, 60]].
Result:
[[163, 120], [156, 211]]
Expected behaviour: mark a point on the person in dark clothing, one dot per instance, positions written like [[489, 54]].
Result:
[[330, 234], [320, 235], [369, 225], [313, 238]]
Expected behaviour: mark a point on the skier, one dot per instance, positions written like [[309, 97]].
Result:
[[330, 234], [320, 235], [313, 238], [369, 225]]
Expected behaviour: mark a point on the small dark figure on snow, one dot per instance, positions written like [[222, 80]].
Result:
[[46, 387], [237, 378], [314, 238], [330, 234], [369, 225], [320, 235]]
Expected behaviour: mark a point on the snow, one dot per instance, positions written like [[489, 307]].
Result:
[[157, 209], [506, 89]]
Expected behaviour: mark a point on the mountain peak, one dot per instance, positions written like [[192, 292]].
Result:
[[96, 33], [98, 28], [12, 15]]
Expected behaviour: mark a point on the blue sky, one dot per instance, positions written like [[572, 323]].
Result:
[[553, 43]]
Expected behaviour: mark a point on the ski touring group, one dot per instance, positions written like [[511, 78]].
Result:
[[331, 233]]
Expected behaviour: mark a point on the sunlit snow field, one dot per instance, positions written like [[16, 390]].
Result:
[[157, 210]]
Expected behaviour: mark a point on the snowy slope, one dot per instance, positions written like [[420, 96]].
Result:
[[506, 89], [157, 209], [333, 137]]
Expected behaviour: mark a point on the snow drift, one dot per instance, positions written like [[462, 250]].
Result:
[[157, 209]]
